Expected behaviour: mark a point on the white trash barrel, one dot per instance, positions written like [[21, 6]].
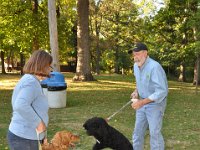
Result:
[[44, 84], [57, 95], [57, 99]]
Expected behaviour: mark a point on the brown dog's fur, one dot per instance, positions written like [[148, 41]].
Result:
[[62, 140]]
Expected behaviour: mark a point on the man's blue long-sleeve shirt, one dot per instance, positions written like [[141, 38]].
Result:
[[151, 81]]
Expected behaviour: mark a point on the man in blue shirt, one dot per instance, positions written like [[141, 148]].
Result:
[[151, 94]]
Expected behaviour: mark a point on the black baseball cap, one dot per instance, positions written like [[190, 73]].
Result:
[[138, 47]]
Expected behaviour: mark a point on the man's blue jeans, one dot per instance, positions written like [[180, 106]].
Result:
[[18, 143], [152, 116]]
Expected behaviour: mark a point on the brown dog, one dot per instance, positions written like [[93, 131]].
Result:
[[62, 140]]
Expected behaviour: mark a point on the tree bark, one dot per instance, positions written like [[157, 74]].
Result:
[[182, 73], [97, 30], [97, 53], [35, 34], [22, 61], [116, 69], [53, 34], [2, 62], [196, 79], [198, 74], [83, 69]]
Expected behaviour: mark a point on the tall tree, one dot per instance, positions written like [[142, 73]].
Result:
[[95, 28], [194, 22], [35, 18], [2, 62], [117, 19], [83, 69], [173, 35], [53, 34]]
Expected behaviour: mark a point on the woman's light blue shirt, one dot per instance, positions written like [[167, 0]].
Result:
[[151, 81], [30, 106]]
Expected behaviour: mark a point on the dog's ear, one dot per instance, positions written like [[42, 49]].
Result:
[[102, 122], [92, 123], [85, 125], [103, 126]]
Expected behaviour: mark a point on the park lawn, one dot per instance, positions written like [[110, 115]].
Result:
[[181, 126]]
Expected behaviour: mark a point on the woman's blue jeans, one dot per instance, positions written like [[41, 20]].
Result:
[[17, 143]]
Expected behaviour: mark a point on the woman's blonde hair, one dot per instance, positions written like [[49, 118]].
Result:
[[38, 63]]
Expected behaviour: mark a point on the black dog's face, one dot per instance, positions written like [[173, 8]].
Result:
[[94, 126]]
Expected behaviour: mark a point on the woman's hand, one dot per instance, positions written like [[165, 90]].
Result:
[[41, 127]]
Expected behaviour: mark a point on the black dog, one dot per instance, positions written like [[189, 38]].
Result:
[[106, 136]]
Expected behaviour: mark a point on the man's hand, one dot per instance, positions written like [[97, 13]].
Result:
[[41, 127], [134, 95], [138, 104]]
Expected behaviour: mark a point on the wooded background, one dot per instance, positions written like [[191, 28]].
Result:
[[95, 35]]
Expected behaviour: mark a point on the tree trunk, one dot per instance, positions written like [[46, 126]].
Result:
[[116, 69], [74, 30], [35, 16], [22, 61], [97, 30], [116, 58], [9, 66], [83, 70], [196, 79], [182, 73], [97, 54], [35, 42], [53, 34], [2, 62], [198, 74], [12, 59], [182, 77]]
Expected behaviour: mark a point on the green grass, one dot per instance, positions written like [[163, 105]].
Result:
[[181, 126]]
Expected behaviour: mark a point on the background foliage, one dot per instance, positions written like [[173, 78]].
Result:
[[169, 28]]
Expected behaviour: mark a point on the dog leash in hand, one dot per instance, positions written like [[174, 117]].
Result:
[[38, 138], [128, 103], [39, 144]]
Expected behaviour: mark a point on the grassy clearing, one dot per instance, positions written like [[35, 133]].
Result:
[[181, 128]]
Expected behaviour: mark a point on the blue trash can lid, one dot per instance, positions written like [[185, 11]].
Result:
[[57, 77], [44, 82], [56, 82]]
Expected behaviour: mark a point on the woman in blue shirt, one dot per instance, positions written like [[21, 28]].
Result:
[[29, 104], [151, 92]]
